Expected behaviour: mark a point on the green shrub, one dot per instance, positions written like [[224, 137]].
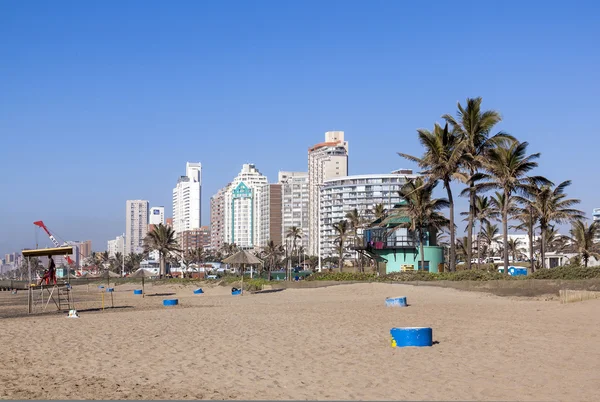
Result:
[[568, 272], [342, 276]]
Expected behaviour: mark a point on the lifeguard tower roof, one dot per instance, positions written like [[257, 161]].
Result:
[[44, 252]]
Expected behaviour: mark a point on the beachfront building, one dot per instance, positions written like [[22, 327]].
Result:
[[194, 239], [246, 218], [596, 217], [186, 199], [275, 213], [362, 192], [115, 246], [217, 218], [326, 160], [294, 204], [157, 216], [395, 248], [136, 226]]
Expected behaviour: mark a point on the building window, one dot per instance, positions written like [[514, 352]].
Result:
[[426, 266]]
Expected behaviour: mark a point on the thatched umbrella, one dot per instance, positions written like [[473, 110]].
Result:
[[142, 273], [242, 258]]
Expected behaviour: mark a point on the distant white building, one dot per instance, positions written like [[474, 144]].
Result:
[[115, 246], [186, 199], [362, 192], [326, 160], [157, 216], [246, 220], [294, 204], [136, 225]]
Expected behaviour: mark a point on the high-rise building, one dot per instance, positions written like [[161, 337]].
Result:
[[169, 222], [157, 215], [115, 246], [326, 160], [186, 199], [194, 239], [246, 222], [275, 213], [342, 195], [136, 226], [217, 219], [85, 248], [294, 199]]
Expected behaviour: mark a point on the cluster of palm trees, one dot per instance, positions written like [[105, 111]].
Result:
[[102, 260], [465, 150]]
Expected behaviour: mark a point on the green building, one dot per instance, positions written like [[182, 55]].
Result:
[[395, 248]]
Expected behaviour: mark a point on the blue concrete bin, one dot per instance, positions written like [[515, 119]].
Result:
[[396, 301], [411, 336], [170, 302]]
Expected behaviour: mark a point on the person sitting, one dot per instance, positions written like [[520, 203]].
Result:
[[44, 278], [234, 290]]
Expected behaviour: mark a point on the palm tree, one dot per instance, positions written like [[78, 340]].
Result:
[[341, 228], [444, 154], [379, 211], [474, 128], [461, 248], [162, 238], [485, 210], [551, 205], [508, 165], [491, 234], [582, 239], [355, 221], [423, 209], [525, 214], [513, 248], [294, 233], [273, 253]]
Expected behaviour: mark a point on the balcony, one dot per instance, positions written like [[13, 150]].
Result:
[[391, 242]]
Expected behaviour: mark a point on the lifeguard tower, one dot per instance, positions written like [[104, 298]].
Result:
[[40, 296]]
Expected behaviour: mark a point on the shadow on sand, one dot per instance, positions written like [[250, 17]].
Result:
[[267, 291]]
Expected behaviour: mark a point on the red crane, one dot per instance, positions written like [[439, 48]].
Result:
[[56, 243]]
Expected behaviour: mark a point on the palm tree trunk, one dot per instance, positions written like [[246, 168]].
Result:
[[543, 245], [422, 249], [531, 242], [479, 243], [470, 224], [505, 230], [452, 231]]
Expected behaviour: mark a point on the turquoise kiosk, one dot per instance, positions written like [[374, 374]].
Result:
[[395, 248]]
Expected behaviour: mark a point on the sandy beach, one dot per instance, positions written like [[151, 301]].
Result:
[[324, 343]]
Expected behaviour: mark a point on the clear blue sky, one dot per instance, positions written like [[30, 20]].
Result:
[[101, 102]]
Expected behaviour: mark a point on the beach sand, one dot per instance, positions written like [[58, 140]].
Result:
[[324, 343]]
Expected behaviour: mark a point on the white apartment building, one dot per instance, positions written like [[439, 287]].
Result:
[[136, 226], [596, 217], [157, 215], [342, 195], [294, 204], [326, 160], [115, 246], [246, 218], [186, 199]]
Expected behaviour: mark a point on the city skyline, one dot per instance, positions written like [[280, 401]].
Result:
[[218, 97]]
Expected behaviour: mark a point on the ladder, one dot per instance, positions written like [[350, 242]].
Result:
[[60, 294]]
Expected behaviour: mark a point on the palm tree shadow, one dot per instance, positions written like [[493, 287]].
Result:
[[160, 294]]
